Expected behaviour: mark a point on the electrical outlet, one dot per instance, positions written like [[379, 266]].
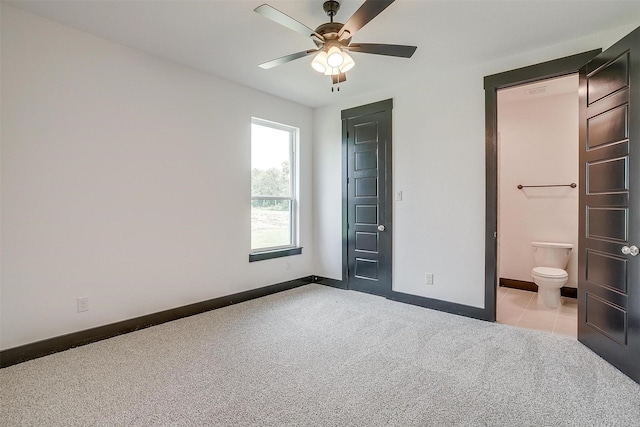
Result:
[[428, 278], [398, 196], [83, 304]]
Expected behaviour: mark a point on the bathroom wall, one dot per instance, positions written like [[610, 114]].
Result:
[[538, 145]]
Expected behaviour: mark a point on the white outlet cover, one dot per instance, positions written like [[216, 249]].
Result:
[[83, 304]]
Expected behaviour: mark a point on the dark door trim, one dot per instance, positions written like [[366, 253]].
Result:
[[351, 113], [555, 68]]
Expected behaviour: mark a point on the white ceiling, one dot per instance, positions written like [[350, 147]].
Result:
[[226, 38]]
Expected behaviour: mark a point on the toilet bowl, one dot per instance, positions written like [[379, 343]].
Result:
[[549, 281], [550, 260]]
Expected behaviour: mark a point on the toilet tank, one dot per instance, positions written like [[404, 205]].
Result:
[[551, 254]]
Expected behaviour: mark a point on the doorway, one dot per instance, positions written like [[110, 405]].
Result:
[[609, 198], [493, 83], [367, 205], [537, 198]]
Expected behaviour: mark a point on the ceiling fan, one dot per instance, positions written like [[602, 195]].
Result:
[[333, 39]]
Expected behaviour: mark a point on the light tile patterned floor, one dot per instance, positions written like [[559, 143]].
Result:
[[520, 308]]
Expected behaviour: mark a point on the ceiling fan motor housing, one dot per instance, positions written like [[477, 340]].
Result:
[[331, 7], [330, 31]]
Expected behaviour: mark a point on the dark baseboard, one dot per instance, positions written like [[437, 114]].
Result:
[[334, 283], [565, 291], [439, 305], [42, 348], [518, 284], [445, 306]]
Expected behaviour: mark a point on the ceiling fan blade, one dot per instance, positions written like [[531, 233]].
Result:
[[369, 10], [285, 59], [285, 20], [400, 50]]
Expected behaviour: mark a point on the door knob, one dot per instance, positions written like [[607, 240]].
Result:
[[633, 250], [381, 228]]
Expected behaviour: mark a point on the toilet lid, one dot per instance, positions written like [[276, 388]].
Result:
[[550, 272]]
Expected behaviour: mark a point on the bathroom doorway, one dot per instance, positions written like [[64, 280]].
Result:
[[609, 200], [537, 198]]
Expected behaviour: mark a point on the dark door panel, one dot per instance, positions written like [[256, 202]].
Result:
[[616, 150], [607, 75], [607, 223], [367, 139], [608, 127], [609, 276], [607, 318], [606, 270], [608, 176]]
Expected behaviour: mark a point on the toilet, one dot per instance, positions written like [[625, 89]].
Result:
[[550, 260]]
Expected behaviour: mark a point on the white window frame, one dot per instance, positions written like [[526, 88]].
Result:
[[293, 178]]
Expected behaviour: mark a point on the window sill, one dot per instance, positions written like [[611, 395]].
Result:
[[278, 253]]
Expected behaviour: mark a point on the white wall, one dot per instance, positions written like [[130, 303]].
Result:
[[125, 178], [438, 164], [538, 145]]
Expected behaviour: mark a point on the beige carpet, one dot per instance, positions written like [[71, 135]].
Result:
[[318, 356]]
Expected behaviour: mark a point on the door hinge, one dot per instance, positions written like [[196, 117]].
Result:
[[495, 234]]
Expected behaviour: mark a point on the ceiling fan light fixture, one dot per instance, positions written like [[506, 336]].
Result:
[[332, 71], [347, 64], [319, 63], [334, 57]]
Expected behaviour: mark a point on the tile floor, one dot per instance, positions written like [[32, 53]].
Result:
[[520, 308]]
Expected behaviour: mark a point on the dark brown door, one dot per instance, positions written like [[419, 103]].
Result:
[[367, 132], [609, 270]]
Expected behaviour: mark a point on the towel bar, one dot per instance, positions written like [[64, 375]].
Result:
[[572, 185]]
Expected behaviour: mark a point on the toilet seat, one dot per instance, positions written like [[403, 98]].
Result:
[[550, 273]]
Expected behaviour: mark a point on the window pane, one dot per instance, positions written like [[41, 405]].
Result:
[[270, 162], [270, 223]]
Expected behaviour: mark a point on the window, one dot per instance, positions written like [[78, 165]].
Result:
[[273, 190]]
